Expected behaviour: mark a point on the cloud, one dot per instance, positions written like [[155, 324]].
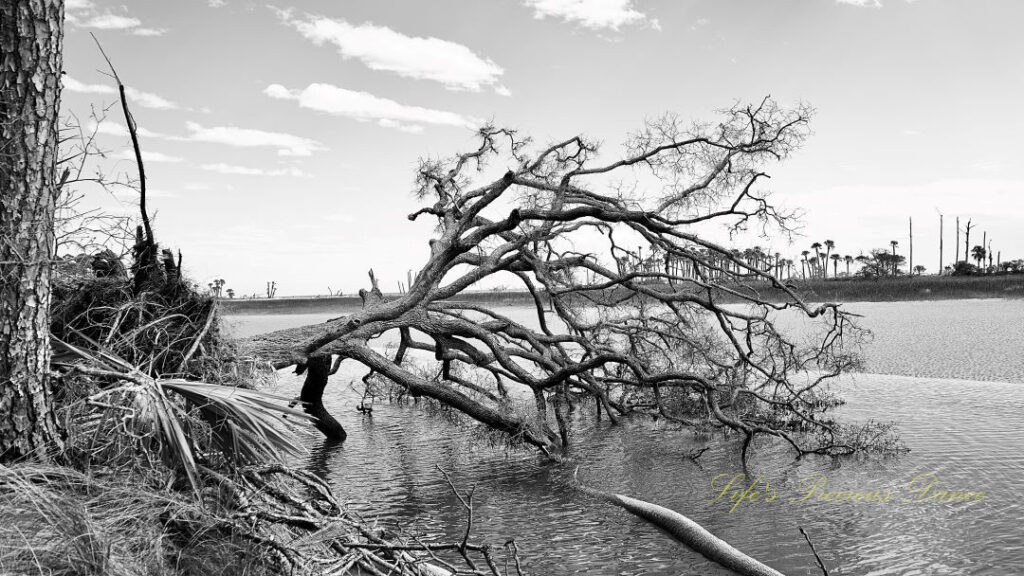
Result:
[[147, 157], [233, 170], [110, 22], [863, 3], [365, 107], [149, 31], [111, 128], [216, 3], [148, 100], [83, 14], [593, 14], [988, 166], [381, 48], [286, 144], [144, 99]]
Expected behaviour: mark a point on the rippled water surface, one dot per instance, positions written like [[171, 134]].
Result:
[[964, 435]]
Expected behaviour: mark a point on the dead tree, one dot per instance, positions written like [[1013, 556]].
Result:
[[697, 349]]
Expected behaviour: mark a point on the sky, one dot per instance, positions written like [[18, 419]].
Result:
[[281, 139]]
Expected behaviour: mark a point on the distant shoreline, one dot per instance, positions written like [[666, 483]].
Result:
[[903, 289]]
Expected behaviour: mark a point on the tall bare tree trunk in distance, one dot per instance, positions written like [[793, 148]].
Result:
[[967, 242], [911, 264], [956, 246], [31, 38]]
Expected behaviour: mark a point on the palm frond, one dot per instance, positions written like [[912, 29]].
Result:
[[250, 426], [245, 426]]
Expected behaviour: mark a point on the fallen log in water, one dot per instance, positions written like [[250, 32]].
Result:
[[688, 532]]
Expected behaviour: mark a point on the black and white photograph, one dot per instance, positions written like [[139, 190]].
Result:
[[511, 287]]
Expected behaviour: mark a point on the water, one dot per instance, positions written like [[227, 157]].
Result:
[[963, 435]]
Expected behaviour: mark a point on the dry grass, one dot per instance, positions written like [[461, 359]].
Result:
[[61, 521]]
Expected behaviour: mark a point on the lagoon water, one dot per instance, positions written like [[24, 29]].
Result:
[[949, 373]]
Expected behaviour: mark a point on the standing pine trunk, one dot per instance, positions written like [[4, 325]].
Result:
[[31, 37]]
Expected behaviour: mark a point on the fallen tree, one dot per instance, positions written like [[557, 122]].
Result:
[[638, 332]]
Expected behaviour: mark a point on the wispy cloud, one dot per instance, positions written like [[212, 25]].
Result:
[[216, 3], [110, 22], [366, 107], [111, 128], [83, 14], [988, 166], [380, 48], [286, 144], [233, 170], [863, 3], [149, 31], [147, 157], [144, 99], [593, 14]]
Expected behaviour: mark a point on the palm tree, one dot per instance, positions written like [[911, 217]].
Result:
[[829, 245], [805, 263], [978, 253], [758, 258], [814, 265], [919, 269], [849, 260], [894, 243], [835, 265], [737, 255], [817, 249]]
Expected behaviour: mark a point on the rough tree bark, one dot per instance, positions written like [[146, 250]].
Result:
[[661, 337], [31, 36]]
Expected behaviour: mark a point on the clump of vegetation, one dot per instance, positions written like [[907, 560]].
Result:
[[164, 473]]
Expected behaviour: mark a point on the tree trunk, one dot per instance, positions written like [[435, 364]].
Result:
[[31, 37], [318, 368]]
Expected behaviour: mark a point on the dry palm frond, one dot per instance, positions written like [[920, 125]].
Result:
[[247, 423], [246, 426]]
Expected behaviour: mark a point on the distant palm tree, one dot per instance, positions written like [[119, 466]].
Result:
[[849, 260], [806, 264], [919, 269], [829, 245], [817, 249], [835, 265], [813, 263], [978, 253], [894, 243]]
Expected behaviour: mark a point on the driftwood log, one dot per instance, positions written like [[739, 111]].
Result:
[[688, 532]]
